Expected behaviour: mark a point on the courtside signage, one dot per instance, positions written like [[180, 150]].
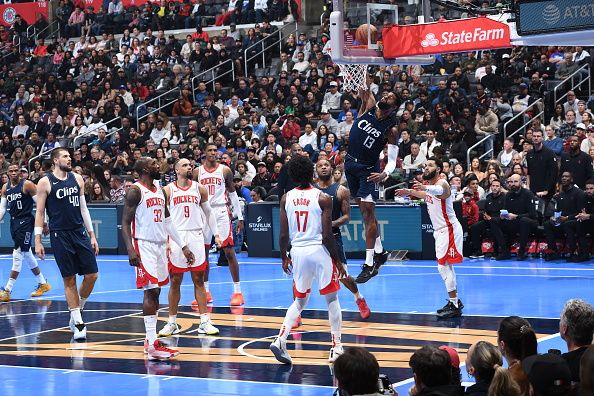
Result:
[[539, 17], [448, 36]]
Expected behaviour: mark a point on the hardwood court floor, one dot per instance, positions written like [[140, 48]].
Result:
[[35, 342]]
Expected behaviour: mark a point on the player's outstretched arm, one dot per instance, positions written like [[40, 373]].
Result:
[[283, 238], [131, 202], [43, 189], [325, 202]]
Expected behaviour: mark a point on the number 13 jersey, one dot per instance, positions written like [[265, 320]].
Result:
[[304, 216], [148, 221]]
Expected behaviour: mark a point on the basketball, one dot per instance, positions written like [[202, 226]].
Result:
[[362, 33]]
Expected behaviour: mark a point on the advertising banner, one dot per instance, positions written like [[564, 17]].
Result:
[[540, 17], [105, 225], [442, 37], [399, 226], [27, 11], [258, 227]]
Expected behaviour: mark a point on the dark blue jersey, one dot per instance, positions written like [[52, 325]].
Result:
[[368, 137], [332, 190], [63, 203], [20, 204]]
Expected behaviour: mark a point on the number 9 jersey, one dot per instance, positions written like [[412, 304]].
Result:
[[304, 216]]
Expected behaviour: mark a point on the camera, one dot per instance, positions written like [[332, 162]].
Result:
[[384, 386]]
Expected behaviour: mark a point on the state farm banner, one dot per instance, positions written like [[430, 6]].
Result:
[[442, 37], [28, 11]]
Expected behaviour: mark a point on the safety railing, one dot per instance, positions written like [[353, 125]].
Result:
[[38, 156], [265, 44], [50, 30], [521, 114], [213, 70], [91, 132], [573, 76], [159, 99], [468, 161]]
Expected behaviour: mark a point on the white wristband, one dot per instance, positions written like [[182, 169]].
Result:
[[38, 230]]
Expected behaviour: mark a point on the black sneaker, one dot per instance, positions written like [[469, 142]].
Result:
[[367, 272], [450, 311], [380, 259], [460, 306]]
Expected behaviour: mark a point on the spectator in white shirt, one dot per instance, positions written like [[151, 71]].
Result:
[[428, 145], [415, 159], [158, 132], [332, 98], [309, 137], [344, 128]]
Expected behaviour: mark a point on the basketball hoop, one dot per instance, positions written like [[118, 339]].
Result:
[[354, 77]]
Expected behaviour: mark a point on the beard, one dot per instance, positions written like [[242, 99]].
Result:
[[155, 175], [515, 188], [65, 168], [429, 176], [383, 106]]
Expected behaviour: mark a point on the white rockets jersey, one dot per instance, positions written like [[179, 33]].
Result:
[[441, 211], [184, 207], [305, 216], [214, 181], [148, 221]]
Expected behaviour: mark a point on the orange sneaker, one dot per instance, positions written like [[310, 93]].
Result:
[[236, 300], [209, 299], [363, 308], [297, 323]]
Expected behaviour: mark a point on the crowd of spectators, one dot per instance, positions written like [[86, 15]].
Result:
[[513, 367], [98, 94]]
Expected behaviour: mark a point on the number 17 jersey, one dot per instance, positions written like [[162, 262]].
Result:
[[304, 216]]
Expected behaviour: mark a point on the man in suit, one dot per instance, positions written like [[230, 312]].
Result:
[[286, 64]]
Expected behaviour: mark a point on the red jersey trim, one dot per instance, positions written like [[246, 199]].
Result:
[[211, 171], [181, 188]]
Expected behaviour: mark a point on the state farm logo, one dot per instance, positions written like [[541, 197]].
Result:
[[430, 41], [9, 15], [476, 35]]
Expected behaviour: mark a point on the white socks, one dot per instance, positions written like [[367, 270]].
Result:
[[40, 278], [236, 287], [291, 316], [454, 301], [150, 325], [369, 257], [76, 316], [204, 318], [172, 319], [378, 248], [335, 317], [83, 301], [206, 286], [10, 284], [357, 296]]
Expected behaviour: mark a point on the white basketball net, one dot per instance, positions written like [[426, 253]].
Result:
[[354, 77]]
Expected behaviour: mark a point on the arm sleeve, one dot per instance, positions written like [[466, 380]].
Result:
[[434, 190], [392, 157], [84, 211], [172, 232], [3, 204], [236, 206], [210, 218]]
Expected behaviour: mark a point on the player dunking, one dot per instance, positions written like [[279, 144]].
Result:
[[447, 230], [341, 214], [145, 226], [18, 196], [367, 139], [61, 194], [306, 219], [186, 198], [218, 180]]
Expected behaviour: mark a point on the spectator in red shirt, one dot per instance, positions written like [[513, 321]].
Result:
[[470, 210], [200, 35], [291, 129]]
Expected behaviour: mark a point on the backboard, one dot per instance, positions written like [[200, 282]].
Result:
[[348, 15]]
